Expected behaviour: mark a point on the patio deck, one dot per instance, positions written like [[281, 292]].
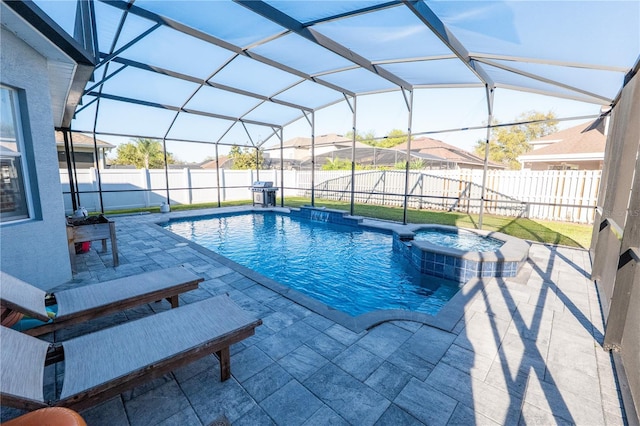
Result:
[[525, 350]]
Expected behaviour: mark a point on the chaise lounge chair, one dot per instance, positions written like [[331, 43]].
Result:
[[103, 364], [83, 303]]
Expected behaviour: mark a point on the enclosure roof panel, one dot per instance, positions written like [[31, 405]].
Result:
[[568, 32], [442, 72], [305, 11], [299, 53], [240, 65], [222, 19], [386, 34], [246, 74], [310, 94], [175, 51]]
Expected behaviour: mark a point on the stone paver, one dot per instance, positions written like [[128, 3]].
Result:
[[525, 350], [292, 404]]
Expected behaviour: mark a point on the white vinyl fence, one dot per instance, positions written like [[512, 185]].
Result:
[[139, 188], [551, 195]]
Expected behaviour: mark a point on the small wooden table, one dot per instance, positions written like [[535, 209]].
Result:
[[91, 229]]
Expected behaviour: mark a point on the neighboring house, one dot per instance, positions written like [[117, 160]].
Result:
[[212, 164], [300, 148], [43, 72], [182, 166], [449, 153], [576, 148], [83, 151]]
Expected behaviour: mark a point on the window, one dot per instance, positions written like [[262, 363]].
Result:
[[14, 199], [563, 166], [84, 160]]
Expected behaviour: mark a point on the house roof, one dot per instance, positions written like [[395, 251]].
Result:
[[81, 140], [212, 164], [437, 148], [585, 138]]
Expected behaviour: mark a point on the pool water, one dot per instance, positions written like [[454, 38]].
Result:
[[461, 240], [350, 269]]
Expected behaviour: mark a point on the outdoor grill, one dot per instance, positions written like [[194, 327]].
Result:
[[264, 193]]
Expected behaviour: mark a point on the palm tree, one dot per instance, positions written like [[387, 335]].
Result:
[[147, 149], [143, 153]]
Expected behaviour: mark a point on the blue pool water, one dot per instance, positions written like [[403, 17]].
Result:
[[461, 240], [347, 268]]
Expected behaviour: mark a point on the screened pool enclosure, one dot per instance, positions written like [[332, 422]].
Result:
[[204, 76]]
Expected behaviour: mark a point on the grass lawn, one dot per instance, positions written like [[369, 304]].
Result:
[[558, 233]]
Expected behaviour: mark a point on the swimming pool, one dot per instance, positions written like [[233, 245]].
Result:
[[351, 269]]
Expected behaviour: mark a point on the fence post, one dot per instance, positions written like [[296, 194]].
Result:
[[93, 178], [222, 184], [186, 175], [421, 179], [145, 179], [384, 184]]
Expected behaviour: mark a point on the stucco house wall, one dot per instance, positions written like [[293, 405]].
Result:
[[35, 249]]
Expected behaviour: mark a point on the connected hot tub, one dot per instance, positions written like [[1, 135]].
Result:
[[461, 254]]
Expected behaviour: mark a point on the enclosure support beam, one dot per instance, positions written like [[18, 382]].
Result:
[[619, 206], [75, 169], [406, 169], [312, 123], [280, 136], [622, 145], [275, 15], [166, 169], [313, 159], [67, 153], [199, 81], [353, 109], [431, 20], [218, 175], [97, 163], [619, 290], [486, 152], [257, 163]]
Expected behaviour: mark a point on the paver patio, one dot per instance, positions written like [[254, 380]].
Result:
[[526, 350]]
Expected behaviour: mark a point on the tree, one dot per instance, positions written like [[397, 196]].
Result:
[[414, 164], [508, 143], [245, 158], [143, 153], [393, 138], [369, 137], [340, 164]]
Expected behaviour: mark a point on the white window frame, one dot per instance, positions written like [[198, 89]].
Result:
[[20, 145]]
